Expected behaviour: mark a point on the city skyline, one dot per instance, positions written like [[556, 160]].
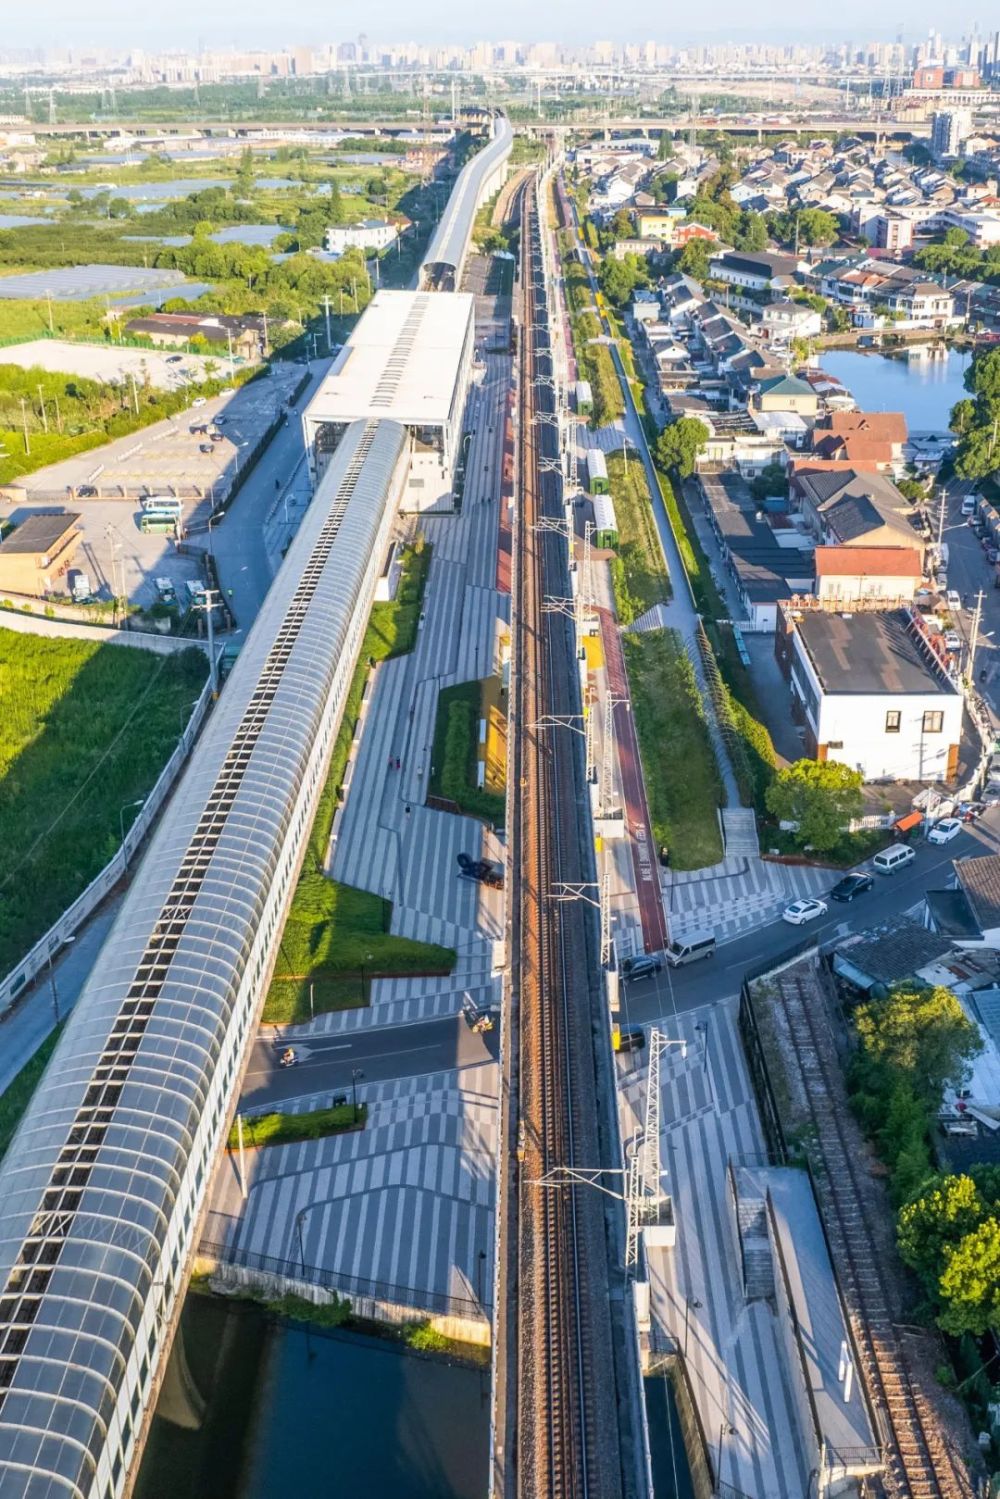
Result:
[[60, 23]]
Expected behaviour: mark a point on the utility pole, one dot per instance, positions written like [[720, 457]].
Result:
[[24, 423], [977, 619], [41, 402], [48, 298], [207, 603], [326, 305], [243, 1169], [135, 394]]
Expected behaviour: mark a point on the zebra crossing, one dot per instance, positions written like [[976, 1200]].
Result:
[[737, 895]]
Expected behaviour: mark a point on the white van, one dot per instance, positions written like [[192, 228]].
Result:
[[892, 859], [690, 949], [969, 505]]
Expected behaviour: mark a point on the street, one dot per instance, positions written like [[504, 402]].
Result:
[[677, 990]]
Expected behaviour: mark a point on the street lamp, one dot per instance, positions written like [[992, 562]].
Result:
[[356, 1073], [139, 802], [691, 1304], [302, 1252], [52, 979], [184, 711], [725, 1430]]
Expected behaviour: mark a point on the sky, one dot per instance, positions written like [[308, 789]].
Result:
[[249, 23]]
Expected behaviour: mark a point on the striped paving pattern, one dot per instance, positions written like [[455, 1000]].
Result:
[[407, 1202], [733, 1354], [737, 895]]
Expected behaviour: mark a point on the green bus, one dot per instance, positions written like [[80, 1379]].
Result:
[[158, 522]]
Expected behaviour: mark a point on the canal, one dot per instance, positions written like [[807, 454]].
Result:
[[925, 390], [269, 1410]]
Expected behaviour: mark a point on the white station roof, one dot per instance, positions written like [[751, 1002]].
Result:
[[401, 362]]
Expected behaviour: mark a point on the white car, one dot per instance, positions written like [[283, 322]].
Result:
[[954, 599], [944, 830], [200, 401], [801, 911], [952, 640]]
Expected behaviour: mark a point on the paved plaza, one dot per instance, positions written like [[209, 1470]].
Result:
[[406, 1202], [115, 364]]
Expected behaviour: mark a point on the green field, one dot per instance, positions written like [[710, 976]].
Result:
[[678, 761], [86, 728], [639, 572], [337, 938], [286, 1129]]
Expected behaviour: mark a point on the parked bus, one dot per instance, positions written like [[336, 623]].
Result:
[[162, 522], [163, 502]]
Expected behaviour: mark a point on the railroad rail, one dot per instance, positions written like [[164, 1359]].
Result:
[[919, 1460], [566, 1445]]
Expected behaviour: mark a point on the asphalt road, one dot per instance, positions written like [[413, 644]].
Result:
[[326, 1063], [678, 990]]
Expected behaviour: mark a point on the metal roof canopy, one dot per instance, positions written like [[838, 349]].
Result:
[[402, 361], [450, 242], [89, 1187]]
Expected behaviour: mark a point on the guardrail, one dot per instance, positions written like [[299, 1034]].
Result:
[[438, 1302], [46, 948]]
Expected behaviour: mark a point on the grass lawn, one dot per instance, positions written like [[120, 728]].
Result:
[[639, 572], [286, 1129], [456, 753], [682, 780], [337, 938], [85, 730], [15, 1099]]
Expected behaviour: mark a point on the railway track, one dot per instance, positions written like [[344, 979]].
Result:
[[919, 1461], [564, 1448]]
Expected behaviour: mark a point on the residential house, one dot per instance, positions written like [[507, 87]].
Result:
[[870, 691], [243, 337], [846, 507], [846, 574], [370, 234], [871, 437], [785, 320], [784, 392], [760, 272]]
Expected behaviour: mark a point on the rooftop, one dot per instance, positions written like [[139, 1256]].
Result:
[[881, 426], [883, 562], [892, 951], [980, 880], [869, 653], [400, 362], [39, 533]]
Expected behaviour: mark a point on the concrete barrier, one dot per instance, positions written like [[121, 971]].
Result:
[[36, 624]]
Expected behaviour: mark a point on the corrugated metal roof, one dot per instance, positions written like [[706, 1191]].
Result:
[[450, 243], [89, 1187]]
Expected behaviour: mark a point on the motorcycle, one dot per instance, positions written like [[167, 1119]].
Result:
[[288, 1058]]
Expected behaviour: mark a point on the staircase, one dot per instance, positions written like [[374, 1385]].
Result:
[[758, 1266], [739, 830]]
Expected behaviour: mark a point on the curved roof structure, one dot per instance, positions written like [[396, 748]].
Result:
[[100, 1183], [449, 245]]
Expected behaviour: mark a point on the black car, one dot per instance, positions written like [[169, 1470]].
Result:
[[851, 885]]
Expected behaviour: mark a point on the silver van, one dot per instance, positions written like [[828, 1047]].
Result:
[[892, 859], [690, 949]]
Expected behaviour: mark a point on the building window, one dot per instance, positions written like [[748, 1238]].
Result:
[[835, 744], [892, 721], [933, 722]]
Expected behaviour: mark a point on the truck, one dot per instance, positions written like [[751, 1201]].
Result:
[[79, 586]]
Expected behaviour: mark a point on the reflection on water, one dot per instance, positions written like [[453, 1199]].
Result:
[[925, 390], [293, 1413]]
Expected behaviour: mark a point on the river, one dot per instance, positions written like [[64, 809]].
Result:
[[291, 1412], [925, 390]]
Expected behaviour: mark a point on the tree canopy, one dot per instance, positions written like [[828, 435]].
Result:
[[977, 420], [950, 1237], [680, 443], [922, 1033], [821, 796]]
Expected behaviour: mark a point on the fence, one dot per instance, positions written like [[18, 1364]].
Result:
[[75, 915], [396, 1303], [95, 631]]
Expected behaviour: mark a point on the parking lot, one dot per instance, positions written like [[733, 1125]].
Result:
[[114, 364], [168, 458]]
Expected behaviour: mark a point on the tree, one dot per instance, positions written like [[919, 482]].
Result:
[[921, 1034], [693, 259], [335, 205], [680, 443], [820, 796], [970, 1282], [618, 279], [817, 227], [963, 417], [752, 232], [949, 1209], [982, 378], [665, 148], [621, 226], [956, 238]]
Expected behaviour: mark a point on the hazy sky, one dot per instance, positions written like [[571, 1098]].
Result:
[[264, 23]]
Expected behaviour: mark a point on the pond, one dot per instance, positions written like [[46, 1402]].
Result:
[[925, 390], [290, 1411]]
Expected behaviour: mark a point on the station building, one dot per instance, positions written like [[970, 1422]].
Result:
[[409, 360]]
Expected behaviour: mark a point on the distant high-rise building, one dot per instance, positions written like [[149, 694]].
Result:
[[950, 128]]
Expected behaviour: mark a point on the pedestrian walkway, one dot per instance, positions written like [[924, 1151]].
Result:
[[406, 1202], [736, 895], [732, 1348]]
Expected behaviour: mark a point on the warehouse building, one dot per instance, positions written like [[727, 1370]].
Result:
[[37, 554], [408, 360]]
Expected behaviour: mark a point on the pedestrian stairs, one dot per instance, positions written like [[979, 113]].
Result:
[[739, 831], [758, 1264]]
